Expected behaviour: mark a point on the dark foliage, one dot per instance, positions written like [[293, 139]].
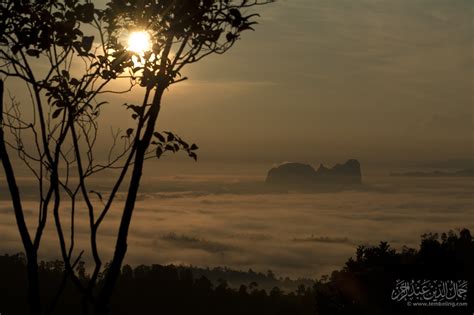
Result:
[[152, 289], [363, 286]]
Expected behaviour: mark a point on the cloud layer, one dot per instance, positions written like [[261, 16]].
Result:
[[292, 234]]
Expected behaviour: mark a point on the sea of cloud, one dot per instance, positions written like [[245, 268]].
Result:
[[237, 223]]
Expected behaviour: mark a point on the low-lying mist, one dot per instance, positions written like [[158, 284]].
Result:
[[238, 223]]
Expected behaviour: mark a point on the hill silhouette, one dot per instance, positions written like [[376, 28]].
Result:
[[303, 177]]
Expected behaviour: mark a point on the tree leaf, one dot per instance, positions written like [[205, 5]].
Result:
[[170, 147], [184, 144], [65, 74], [57, 112], [231, 36], [87, 43], [193, 155], [160, 137], [85, 12], [33, 52], [74, 81], [159, 152]]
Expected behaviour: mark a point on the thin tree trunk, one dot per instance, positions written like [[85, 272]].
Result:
[[102, 306], [33, 280], [30, 250]]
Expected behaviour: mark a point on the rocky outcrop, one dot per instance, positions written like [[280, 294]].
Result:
[[295, 174], [300, 176]]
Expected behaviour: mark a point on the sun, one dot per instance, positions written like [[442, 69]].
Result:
[[139, 42]]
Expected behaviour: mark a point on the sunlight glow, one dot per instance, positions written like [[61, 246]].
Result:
[[139, 42]]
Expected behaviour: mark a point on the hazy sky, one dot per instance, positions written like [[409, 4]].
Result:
[[332, 79], [327, 80]]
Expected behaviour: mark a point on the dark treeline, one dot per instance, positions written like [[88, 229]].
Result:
[[235, 278], [363, 286]]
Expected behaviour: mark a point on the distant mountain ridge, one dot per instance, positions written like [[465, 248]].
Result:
[[459, 163], [301, 176], [460, 173]]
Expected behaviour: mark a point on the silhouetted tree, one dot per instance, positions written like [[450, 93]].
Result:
[[65, 110], [365, 283], [363, 286]]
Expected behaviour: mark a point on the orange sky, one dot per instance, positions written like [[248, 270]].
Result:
[[381, 81]]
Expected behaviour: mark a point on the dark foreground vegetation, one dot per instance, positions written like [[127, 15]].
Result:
[[363, 286]]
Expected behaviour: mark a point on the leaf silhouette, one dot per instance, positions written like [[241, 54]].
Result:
[[56, 113], [87, 43]]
